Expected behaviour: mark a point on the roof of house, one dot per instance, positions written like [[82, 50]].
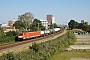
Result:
[[8, 27]]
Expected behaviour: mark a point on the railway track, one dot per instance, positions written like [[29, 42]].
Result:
[[26, 41]]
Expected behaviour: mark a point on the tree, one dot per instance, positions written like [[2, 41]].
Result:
[[37, 25], [54, 25], [85, 26], [19, 25], [72, 24], [1, 33], [26, 19], [80, 26], [11, 33], [76, 24], [89, 28]]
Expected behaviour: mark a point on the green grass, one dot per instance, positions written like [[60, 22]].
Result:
[[68, 55]]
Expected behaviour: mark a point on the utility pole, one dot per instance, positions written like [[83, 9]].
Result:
[[38, 26], [53, 30]]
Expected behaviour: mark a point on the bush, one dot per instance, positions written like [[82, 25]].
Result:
[[11, 33], [7, 40], [8, 56], [10, 36]]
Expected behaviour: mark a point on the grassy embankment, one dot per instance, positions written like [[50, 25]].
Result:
[[44, 50]]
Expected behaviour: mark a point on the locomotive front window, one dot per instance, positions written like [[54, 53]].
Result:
[[20, 34]]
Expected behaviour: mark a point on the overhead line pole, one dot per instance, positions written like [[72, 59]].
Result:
[[38, 26], [53, 30]]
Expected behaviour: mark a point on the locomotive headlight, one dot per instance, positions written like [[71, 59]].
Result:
[[20, 36]]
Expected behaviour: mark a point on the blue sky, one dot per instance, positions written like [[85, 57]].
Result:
[[62, 10]]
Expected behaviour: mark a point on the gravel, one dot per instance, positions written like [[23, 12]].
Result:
[[79, 59]]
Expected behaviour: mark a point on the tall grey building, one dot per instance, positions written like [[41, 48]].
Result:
[[49, 19]]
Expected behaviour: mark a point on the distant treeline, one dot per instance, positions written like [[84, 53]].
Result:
[[75, 25]]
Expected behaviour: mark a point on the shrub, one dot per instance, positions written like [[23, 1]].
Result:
[[8, 56], [11, 33], [7, 40]]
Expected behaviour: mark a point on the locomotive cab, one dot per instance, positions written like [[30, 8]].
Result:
[[20, 36]]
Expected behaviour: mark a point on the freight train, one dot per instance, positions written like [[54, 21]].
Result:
[[29, 35]]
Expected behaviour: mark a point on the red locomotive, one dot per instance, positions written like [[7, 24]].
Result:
[[26, 35]]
